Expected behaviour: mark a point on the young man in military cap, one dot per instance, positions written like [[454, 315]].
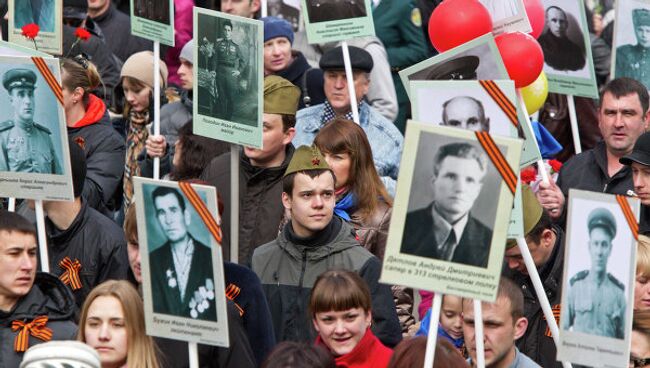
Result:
[[596, 299], [385, 139], [312, 242], [639, 161], [546, 245], [25, 146], [634, 60]]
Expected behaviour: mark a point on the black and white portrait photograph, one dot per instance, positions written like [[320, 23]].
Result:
[[563, 38], [154, 10], [507, 16], [478, 59], [39, 12], [331, 10], [33, 137], [600, 269], [184, 270], [288, 10], [452, 210], [632, 40]]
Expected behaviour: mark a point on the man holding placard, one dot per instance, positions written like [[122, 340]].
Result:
[[596, 298], [639, 161]]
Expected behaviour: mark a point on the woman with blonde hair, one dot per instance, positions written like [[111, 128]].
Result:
[[112, 322], [642, 282], [340, 309], [640, 340]]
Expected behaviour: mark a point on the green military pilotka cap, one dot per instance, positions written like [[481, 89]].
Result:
[[280, 96], [532, 212], [307, 158]]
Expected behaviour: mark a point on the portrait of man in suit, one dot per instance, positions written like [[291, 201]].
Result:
[[182, 280], [446, 229]]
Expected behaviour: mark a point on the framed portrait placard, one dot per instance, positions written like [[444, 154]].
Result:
[[34, 157], [598, 286], [288, 10], [631, 50], [337, 20], [153, 20], [182, 264], [46, 14], [478, 59], [507, 16], [11, 49], [568, 62], [448, 176], [229, 77]]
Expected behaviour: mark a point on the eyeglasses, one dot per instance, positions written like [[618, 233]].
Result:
[[639, 362]]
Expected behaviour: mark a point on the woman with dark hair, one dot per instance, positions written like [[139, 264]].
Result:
[[290, 354], [410, 353], [361, 197], [340, 308]]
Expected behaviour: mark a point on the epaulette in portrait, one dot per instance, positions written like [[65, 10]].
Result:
[[46, 130], [5, 125], [615, 281], [579, 276]]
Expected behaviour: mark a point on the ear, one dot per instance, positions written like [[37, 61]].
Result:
[[520, 327], [288, 136], [313, 321], [486, 125], [547, 238], [368, 319], [255, 5], [286, 201], [646, 120], [187, 216]]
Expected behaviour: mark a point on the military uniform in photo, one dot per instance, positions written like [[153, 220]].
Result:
[[39, 12], [328, 10], [26, 146], [462, 68], [633, 61], [156, 10], [231, 66], [596, 302]]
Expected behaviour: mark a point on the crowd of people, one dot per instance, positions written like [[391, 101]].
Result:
[[315, 204]]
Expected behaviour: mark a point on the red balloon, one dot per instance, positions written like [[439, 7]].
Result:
[[535, 12], [522, 56], [455, 22]]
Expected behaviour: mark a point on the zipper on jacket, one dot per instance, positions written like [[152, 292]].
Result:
[[304, 266], [605, 188]]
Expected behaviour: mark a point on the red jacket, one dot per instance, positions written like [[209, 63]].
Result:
[[369, 353]]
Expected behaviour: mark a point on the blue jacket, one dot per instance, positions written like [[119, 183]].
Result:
[[385, 139]]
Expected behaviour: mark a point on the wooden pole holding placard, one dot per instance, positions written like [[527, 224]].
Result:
[[478, 334], [234, 203], [265, 10], [42, 238], [156, 103], [541, 294], [350, 78], [11, 206], [432, 336], [574, 124], [193, 350]]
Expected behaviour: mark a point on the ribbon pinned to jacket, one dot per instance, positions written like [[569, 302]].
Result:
[[232, 291], [501, 99], [629, 215], [70, 276], [49, 77], [37, 328], [202, 210], [498, 160]]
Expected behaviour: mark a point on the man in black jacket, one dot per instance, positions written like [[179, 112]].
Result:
[[85, 247], [546, 244], [623, 116], [29, 300]]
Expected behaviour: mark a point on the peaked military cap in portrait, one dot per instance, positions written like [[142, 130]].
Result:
[[23, 78], [280, 96], [360, 59], [307, 158], [601, 217], [531, 211], [641, 17], [462, 68]]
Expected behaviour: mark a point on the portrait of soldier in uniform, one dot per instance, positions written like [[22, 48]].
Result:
[[595, 298], [40, 12], [560, 52], [156, 10], [328, 10], [25, 146], [282, 10], [182, 280], [446, 229], [465, 112], [633, 61]]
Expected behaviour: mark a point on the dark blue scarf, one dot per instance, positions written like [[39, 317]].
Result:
[[344, 205]]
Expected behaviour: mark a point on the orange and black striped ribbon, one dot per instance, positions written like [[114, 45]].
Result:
[[202, 210], [232, 291], [49, 77], [498, 160], [556, 314], [501, 99], [629, 215], [37, 328], [70, 276]]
